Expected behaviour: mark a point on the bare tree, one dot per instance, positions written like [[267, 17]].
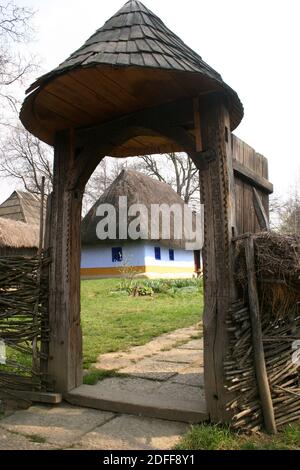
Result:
[[102, 178], [15, 30], [25, 159], [177, 170], [285, 213], [290, 216]]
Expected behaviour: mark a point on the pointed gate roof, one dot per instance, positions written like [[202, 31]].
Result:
[[132, 62]]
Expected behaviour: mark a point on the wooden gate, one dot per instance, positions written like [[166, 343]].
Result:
[[252, 188], [234, 191]]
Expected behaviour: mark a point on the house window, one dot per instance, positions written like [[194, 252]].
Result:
[[117, 254], [171, 255], [157, 252]]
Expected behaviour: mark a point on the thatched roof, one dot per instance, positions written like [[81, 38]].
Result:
[[139, 189], [14, 234], [132, 62], [22, 206]]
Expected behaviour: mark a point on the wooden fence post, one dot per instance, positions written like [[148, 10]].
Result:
[[257, 341], [65, 345], [218, 197]]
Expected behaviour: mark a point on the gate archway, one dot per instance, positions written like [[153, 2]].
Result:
[[135, 88]]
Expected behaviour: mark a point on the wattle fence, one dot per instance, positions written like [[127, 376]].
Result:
[[23, 323], [263, 364]]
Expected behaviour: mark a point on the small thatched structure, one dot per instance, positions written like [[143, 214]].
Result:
[[22, 206], [18, 238], [154, 253], [139, 189]]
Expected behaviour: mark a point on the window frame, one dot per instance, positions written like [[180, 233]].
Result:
[[157, 253], [117, 254]]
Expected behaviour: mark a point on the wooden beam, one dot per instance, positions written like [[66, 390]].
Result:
[[169, 120], [197, 123], [201, 159], [260, 211], [38, 397], [179, 113], [257, 341], [217, 195], [244, 173], [65, 344]]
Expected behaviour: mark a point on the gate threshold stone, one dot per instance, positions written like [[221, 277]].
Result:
[[143, 398]]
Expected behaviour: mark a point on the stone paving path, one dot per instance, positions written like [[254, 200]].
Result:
[[175, 357], [169, 363]]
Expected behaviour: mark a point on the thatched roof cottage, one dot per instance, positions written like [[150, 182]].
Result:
[[19, 224], [147, 253]]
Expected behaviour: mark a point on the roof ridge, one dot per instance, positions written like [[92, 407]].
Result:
[[21, 205], [20, 191], [139, 174]]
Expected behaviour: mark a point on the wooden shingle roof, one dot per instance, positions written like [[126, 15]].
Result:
[[136, 36], [133, 62]]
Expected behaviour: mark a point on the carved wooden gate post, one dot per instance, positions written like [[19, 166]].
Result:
[[217, 192], [65, 347]]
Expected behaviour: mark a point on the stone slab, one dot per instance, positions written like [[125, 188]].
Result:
[[119, 360], [178, 393], [154, 347], [133, 433], [10, 441], [142, 397], [60, 425], [193, 344], [152, 369], [187, 331], [108, 362], [193, 376], [178, 335], [185, 356], [116, 386]]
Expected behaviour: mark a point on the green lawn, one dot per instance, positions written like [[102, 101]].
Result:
[[213, 437], [113, 320]]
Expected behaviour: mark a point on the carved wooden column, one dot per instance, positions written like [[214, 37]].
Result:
[[65, 347], [217, 192]]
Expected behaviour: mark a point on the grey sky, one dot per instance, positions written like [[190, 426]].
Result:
[[254, 44]]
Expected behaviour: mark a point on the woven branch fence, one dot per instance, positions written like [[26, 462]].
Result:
[[277, 286], [23, 322]]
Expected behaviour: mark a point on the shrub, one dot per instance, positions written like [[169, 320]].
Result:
[[148, 287], [140, 291]]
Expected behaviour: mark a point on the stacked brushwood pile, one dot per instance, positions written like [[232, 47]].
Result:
[[23, 321], [277, 263]]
